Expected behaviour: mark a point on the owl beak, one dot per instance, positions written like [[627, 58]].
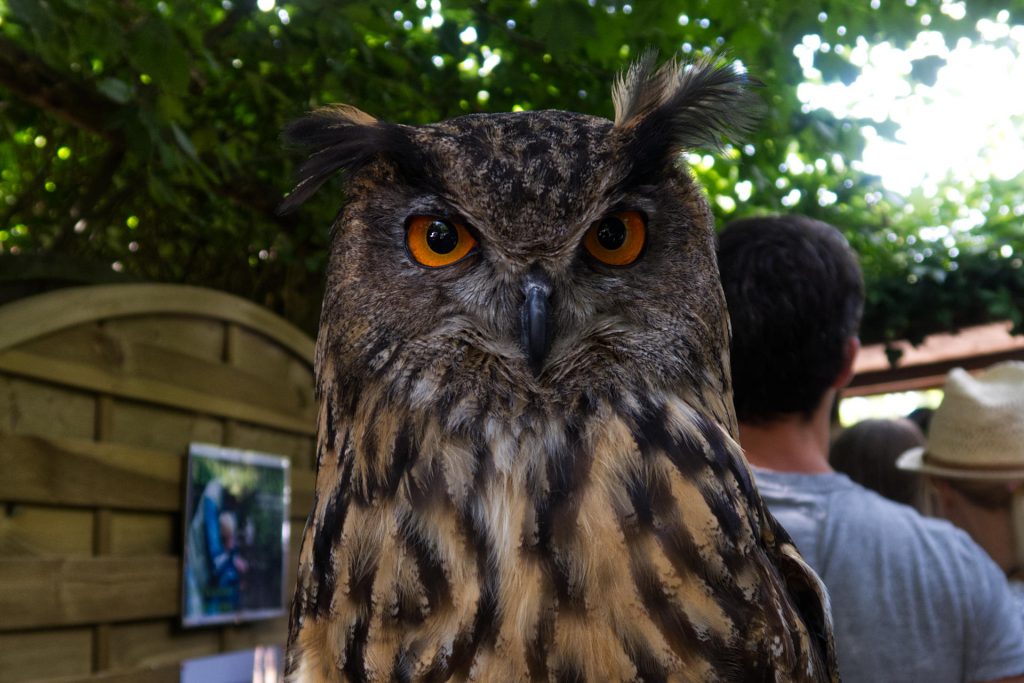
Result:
[[536, 329]]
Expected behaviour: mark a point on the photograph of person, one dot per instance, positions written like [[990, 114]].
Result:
[[235, 535]]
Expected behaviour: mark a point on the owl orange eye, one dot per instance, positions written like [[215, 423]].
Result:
[[617, 239], [435, 242]]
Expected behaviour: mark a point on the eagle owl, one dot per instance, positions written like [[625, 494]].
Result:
[[526, 466]]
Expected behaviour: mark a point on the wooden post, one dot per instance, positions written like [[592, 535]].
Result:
[[102, 523]]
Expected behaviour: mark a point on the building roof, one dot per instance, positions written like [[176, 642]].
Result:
[[925, 366]]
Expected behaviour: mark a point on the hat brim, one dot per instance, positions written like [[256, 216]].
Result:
[[913, 461]]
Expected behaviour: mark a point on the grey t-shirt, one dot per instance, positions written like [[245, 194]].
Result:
[[913, 599]]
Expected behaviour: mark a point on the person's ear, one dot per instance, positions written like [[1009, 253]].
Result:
[[850, 351]]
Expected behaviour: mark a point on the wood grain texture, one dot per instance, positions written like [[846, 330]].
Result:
[[303, 488], [251, 437], [71, 591], [144, 533], [79, 472], [168, 673], [153, 427], [157, 643], [31, 407], [100, 647], [101, 380], [37, 316], [104, 417], [38, 531], [197, 337], [102, 521], [45, 654], [256, 353], [101, 391], [83, 473], [269, 632], [171, 359]]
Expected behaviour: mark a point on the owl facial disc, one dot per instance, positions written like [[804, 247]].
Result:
[[535, 325]]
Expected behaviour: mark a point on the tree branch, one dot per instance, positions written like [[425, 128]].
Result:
[[28, 78]]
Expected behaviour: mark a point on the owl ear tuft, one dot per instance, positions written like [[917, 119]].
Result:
[[339, 138], [678, 106]]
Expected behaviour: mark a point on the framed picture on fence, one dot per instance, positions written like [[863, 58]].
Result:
[[235, 535]]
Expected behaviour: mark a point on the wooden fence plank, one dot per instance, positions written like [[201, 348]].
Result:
[[35, 531], [303, 488], [30, 407], [106, 349], [149, 426], [70, 591], [141, 389], [169, 673], [256, 353], [268, 632], [269, 441], [144, 533], [44, 654], [83, 473], [151, 369], [100, 647], [39, 315], [200, 338], [73, 472], [156, 643]]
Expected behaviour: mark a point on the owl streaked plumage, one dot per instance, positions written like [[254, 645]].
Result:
[[526, 459]]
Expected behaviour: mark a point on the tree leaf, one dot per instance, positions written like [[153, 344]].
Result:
[[154, 51], [116, 89], [185, 143]]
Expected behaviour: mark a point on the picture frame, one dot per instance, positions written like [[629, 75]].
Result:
[[236, 533]]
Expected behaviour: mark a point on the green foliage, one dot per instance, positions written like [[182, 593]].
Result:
[[145, 134]]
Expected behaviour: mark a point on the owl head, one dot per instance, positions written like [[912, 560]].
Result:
[[540, 259]]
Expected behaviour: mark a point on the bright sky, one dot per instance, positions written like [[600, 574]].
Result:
[[969, 125], [856, 408]]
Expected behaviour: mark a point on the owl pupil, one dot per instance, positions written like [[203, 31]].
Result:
[[442, 238], [611, 234]]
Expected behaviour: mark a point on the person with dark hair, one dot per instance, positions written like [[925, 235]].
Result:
[[867, 452], [922, 417], [913, 599]]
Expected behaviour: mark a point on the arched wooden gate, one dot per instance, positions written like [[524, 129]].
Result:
[[101, 391]]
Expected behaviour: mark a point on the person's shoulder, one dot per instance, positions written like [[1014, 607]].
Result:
[[833, 490], [887, 518], [952, 558], [853, 511], [960, 556], [859, 517]]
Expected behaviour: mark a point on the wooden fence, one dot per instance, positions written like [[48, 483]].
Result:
[[101, 391]]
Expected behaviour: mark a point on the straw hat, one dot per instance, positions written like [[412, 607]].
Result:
[[978, 430]]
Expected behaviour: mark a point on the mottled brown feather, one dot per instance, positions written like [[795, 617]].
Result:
[[479, 518]]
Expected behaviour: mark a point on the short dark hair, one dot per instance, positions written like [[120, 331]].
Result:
[[867, 453], [795, 294], [922, 417]]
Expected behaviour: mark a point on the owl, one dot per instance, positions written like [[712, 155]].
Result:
[[526, 457]]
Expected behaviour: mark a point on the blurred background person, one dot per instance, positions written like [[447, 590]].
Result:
[[867, 453], [921, 417], [974, 462], [913, 599]]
